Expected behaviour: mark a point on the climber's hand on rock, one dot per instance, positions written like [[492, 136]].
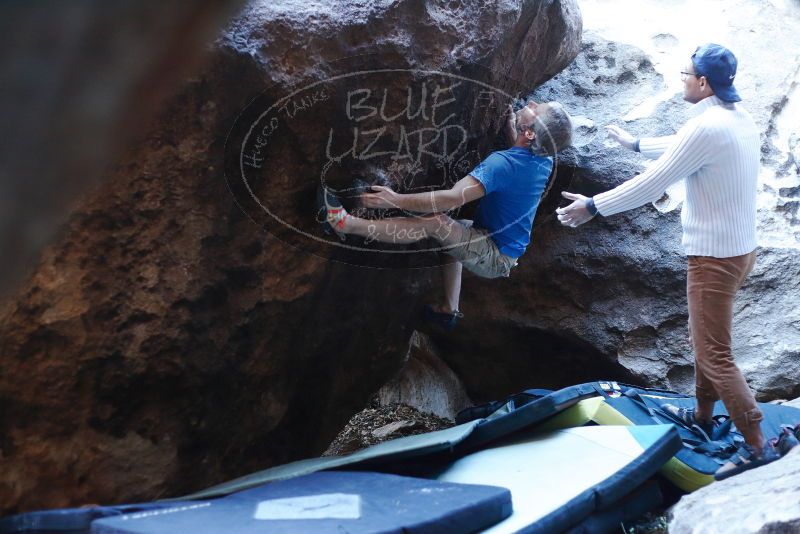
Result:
[[381, 197]]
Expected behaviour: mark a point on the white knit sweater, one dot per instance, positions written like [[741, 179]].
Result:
[[718, 152]]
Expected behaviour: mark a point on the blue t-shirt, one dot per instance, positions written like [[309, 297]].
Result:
[[514, 181]]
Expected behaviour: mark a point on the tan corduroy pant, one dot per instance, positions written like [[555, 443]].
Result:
[[711, 286]]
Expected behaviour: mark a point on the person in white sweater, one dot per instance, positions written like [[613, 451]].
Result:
[[717, 151]]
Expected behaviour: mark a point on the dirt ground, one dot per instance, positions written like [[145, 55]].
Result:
[[376, 424]]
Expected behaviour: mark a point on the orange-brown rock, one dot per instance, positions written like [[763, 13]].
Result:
[[166, 342]]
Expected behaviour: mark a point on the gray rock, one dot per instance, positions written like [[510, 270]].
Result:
[[426, 382], [765, 500], [794, 147], [610, 296], [391, 428], [607, 301], [766, 331]]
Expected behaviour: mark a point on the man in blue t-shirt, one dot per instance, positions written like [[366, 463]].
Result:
[[509, 184]]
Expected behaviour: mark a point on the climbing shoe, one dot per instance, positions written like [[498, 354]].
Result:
[[445, 320], [745, 459], [330, 213], [787, 440], [685, 416]]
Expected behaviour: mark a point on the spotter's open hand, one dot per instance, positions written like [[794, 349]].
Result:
[[576, 213]]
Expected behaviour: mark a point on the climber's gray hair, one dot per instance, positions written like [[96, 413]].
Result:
[[553, 129]]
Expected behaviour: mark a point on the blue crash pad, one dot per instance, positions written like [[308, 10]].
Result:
[[333, 501]]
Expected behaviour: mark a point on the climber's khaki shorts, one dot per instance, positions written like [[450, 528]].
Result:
[[476, 250]]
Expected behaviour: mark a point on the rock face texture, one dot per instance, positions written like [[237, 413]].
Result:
[[166, 342], [765, 500], [74, 94], [426, 383], [613, 290]]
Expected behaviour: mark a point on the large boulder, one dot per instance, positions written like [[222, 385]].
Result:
[[77, 92], [557, 320], [166, 342], [765, 500], [609, 298]]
